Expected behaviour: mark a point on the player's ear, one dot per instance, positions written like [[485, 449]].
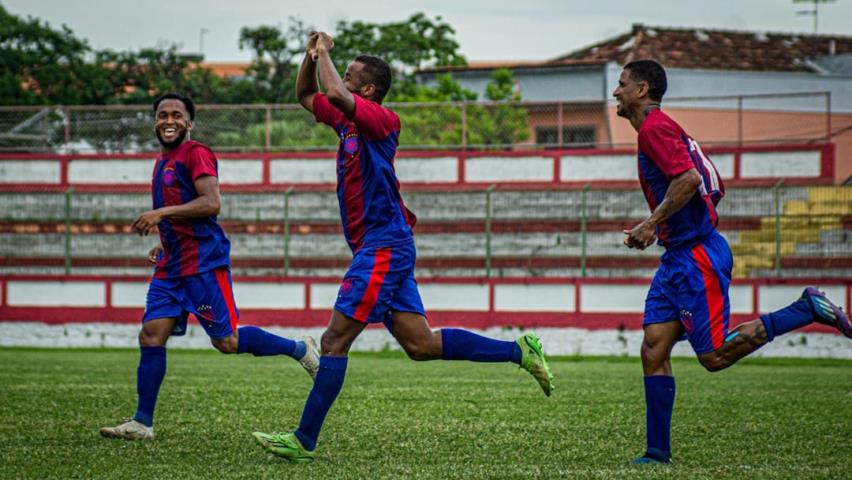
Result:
[[642, 89], [189, 124], [368, 90]]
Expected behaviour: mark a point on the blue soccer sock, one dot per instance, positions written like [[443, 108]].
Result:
[[149, 377], [793, 316], [261, 343], [329, 381], [458, 344], [659, 402]]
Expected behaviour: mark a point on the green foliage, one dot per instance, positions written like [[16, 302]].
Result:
[[426, 420]]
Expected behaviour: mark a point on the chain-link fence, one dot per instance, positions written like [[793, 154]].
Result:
[[785, 231], [441, 125]]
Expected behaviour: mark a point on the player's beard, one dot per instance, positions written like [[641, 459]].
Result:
[[174, 143]]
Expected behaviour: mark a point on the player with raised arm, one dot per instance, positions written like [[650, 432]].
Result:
[[379, 285], [689, 292], [192, 273]]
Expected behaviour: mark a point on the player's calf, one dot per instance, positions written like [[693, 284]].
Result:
[[745, 339]]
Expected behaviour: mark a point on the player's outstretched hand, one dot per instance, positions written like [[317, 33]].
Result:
[[147, 222], [154, 254]]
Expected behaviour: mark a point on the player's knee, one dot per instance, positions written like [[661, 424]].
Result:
[[150, 338], [226, 345], [713, 362], [416, 352], [332, 344]]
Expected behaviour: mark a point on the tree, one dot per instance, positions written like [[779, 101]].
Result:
[[276, 56]]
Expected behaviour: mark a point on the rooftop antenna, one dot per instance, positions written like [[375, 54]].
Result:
[[814, 12], [201, 33]]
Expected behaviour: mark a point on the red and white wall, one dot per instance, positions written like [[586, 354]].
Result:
[[574, 316]]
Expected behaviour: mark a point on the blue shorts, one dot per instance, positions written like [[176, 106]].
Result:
[[208, 295], [380, 281], [691, 285]]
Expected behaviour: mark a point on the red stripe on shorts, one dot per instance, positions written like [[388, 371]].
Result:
[[713, 291], [227, 294], [377, 278]]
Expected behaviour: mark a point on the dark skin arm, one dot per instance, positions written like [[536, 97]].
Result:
[[680, 191], [207, 203], [306, 81], [337, 93]]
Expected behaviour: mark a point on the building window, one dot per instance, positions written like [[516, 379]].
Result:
[[572, 137]]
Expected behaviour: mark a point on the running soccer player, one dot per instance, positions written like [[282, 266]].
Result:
[[689, 292], [192, 273], [379, 285]]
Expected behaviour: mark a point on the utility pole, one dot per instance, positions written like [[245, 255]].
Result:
[[814, 12], [201, 33]]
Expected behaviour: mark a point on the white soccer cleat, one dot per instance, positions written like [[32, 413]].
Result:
[[310, 360], [131, 430]]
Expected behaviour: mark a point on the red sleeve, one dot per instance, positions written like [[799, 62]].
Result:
[[374, 121], [202, 161], [663, 144], [325, 112]]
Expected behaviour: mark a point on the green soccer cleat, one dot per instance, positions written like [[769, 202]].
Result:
[[284, 445], [533, 361]]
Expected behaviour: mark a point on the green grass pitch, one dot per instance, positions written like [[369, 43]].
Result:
[[401, 419]]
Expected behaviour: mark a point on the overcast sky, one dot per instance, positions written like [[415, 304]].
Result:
[[485, 29]]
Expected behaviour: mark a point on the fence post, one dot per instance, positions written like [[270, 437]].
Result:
[[464, 126], [68, 194], [66, 113], [777, 193], [560, 121], [583, 228], [268, 139], [740, 120], [488, 193], [287, 230]]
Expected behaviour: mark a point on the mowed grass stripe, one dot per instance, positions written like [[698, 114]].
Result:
[[401, 419]]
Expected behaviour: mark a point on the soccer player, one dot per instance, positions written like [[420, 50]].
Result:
[[192, 273], [379, 285], [689, 292]]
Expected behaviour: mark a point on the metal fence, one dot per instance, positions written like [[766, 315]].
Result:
[[785, 231], [746, 119]]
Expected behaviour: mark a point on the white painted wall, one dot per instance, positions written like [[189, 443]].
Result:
[[30, 171], [556, 341], [509, 169], [240, 171], [780, 164], [574, 168], [303, 171], [55, 294], [111, 172], [436, 169]]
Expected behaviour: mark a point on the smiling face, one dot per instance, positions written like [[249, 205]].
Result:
[[629, 94], [172, 123]]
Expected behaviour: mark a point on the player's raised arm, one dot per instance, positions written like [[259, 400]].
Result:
[[336, 91], [306, 81]]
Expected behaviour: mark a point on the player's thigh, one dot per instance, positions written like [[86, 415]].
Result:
[[703, 295], [210, 297], [340, 333], [156, 331], [164, 315]]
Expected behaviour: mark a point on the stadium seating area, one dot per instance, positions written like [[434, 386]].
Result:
[[534, 232]]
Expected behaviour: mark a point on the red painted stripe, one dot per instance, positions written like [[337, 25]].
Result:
[[319, 318], [713, 291], [353, 199], [228, 295], [377, 278]]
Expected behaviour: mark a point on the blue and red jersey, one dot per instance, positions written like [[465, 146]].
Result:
[[666, 151], [371, 207], [192, 245]]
